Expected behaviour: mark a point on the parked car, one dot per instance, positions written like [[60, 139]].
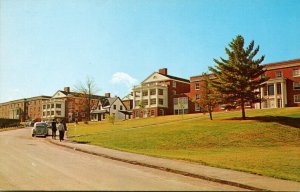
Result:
[[40, 129]]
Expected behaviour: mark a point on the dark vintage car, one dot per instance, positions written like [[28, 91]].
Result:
[[40, 129]]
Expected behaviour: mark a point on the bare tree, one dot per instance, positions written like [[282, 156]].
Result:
[[87, 91]]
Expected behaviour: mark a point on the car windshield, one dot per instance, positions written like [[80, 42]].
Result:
[[40, 125]]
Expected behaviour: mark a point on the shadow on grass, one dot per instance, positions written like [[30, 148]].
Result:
[[82, 142], [290, 121]]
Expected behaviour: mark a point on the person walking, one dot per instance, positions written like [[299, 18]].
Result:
[[61, 130], [54, 129], [65, 126]]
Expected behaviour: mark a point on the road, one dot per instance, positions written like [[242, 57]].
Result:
[[28, 163]]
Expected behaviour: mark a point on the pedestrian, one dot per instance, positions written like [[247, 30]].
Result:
[[61, 130], [54, 129], [65, 125]]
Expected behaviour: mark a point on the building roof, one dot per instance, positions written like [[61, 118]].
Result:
[[177, 78], [282, 64]]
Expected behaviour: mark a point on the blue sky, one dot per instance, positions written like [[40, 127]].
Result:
[[46, 45]]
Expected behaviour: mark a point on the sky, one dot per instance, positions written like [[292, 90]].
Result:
[[46, 45]]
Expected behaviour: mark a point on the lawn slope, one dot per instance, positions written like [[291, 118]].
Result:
[[267, 143]]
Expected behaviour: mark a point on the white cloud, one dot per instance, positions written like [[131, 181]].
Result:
[[123, 78]]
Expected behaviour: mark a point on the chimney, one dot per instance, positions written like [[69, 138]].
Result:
[[107, 95], [163, 71], [67, 89]]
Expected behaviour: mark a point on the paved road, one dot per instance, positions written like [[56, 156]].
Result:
[[34, 164]]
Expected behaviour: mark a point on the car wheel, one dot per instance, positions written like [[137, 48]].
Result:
[[32, 135]]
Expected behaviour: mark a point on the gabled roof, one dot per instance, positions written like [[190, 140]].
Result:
[[166, 77], [76, 94], [109, 101]]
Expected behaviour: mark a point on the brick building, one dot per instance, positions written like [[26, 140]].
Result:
[[157, 93], [281, 90], [23, 109], [283, 87], [68, 105]]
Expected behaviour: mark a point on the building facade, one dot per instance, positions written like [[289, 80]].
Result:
[[23, 109], [109, 106], [283, 87], [281, 90], [68, 105], [154, 96]]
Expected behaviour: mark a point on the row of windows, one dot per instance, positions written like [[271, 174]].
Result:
[[48, 106], [183, 100], [51, 113], [296, 73], [152, 92], [152, 102]]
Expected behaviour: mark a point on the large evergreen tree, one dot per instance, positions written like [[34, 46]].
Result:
[[240, 75]]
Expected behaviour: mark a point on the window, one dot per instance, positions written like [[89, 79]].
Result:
[[278, 88], [145, 93], [174, 84], [175, 101], [278, 74], [58, 105], [44, 107], [296, 98], [270, 89], [152, 91], [152, 113], [121, 107], [265, 90], [197, 86], [52, 105], [137, 103], [160, 92], [197, 96], [296, 85], [145, 101], [185, 100], [48, 106], [115, 107], [58, 112], [52, 112], [137, 94], [160, 101], [153, 101], [136, 115], [197, 107], [296, 72]]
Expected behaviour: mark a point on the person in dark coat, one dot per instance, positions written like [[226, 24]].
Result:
[[61, 130], [54, 130]]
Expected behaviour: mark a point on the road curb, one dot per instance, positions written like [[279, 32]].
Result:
[[231, 183]]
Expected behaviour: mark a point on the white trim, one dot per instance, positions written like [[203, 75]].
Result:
[[295, 98], [281, 66]]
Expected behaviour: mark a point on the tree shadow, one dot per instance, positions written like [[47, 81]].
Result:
[[289, 121], [82, 142]]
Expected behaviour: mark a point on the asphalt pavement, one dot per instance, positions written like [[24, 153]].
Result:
[[239, 179]]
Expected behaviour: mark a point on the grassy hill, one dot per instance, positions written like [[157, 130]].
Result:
[[267, 143]]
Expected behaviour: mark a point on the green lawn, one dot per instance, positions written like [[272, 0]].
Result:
[[267, 143]]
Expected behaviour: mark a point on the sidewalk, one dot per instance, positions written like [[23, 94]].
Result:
[[225, 176]]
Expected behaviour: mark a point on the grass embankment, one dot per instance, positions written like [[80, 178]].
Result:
[[267, 143]]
